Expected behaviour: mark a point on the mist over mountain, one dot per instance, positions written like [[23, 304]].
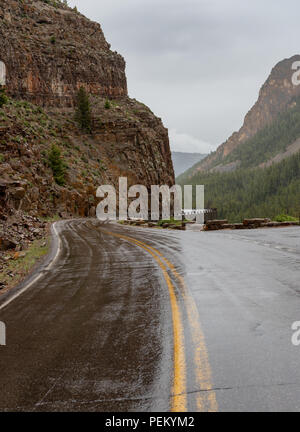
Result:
[[183, 161]]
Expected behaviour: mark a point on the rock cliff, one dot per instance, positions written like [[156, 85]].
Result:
[[49, 52]]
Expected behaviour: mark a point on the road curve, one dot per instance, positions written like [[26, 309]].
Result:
[[129, 319]]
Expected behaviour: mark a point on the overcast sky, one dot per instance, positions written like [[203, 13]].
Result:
[[198, 64]]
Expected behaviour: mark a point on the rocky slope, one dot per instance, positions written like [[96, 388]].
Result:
[[276, 95], [50, 51]]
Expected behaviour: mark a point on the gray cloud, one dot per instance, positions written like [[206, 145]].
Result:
[[198, 64]]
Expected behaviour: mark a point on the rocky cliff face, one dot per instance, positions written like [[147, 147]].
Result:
[[275, 96], [50, 51]]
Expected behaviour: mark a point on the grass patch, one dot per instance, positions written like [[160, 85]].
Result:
[[54, 218], [285, 218], [19, 266], [170, 221]]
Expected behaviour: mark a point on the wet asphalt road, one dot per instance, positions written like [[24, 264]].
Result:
[[131, 319]]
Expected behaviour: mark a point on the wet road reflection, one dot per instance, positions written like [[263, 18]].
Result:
[[132, 319]]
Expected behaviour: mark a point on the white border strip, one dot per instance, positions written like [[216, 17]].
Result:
[[38, 277]]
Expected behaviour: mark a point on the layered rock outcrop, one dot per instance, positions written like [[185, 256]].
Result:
[[50, 51]]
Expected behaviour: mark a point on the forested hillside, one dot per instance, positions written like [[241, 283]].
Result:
[[252, 188], [256, 192], [270, 141]]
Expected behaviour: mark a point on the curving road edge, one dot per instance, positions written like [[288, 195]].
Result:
[[38, 271]]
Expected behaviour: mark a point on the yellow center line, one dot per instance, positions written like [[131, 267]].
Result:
[[179, 396], [206, 398]]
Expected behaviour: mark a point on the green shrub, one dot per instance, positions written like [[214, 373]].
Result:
[[285, 218], [57, 165], [3, 97], [107, 104]]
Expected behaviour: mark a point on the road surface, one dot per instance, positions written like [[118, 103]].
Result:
[[133, 319]]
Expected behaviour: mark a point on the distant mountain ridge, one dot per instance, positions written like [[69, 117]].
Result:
[[183, 161], [256, 172], [276, 96]]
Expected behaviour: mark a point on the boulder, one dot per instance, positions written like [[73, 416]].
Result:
[[18, 193], [7, 244], [239, 226], [217, 222], [214, 225], [139, 223], [255, 222]]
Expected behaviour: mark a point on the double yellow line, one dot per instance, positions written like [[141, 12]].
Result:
[[206, 398]]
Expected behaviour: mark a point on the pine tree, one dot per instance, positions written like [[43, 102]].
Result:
[[57, 165], [83, 110]]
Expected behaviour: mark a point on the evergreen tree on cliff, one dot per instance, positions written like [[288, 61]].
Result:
[[83, 110]]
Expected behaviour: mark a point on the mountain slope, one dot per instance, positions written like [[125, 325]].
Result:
[[258, 192], [276, 96], [265, 145], [259, 177]]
